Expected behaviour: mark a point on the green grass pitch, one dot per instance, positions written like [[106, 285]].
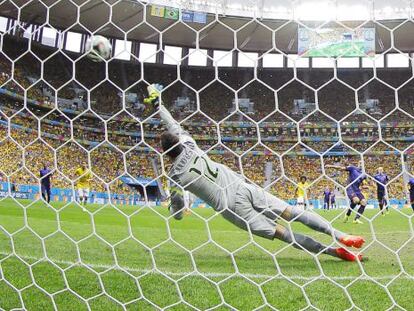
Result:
[[135, 258]]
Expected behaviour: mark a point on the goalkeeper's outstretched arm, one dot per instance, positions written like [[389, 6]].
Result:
[[154, 98], [172, 143], [171, 124]]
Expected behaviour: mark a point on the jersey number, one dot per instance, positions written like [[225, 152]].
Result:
[[210, 174]]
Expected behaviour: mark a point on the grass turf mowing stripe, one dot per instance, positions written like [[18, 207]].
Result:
[[206, 274]]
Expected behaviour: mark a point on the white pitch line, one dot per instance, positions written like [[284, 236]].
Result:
[[206, 274]]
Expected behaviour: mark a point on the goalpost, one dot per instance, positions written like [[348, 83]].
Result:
[[275, 93]]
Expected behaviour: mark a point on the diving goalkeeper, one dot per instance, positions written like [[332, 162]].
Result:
[[243, 204]]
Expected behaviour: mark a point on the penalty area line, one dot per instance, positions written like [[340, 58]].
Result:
[[205, 274]]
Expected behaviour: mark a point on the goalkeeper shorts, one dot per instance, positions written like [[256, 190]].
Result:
[[255, 210]]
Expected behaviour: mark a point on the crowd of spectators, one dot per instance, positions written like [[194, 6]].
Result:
[[272, 147]]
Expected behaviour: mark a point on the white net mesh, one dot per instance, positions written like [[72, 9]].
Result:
[[123, 250]]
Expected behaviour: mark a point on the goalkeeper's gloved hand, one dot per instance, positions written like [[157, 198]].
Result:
[[176, 206], [154, 91]]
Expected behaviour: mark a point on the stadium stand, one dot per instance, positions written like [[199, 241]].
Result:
[[238, 135]]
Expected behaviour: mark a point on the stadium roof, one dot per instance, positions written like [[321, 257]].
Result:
[[253, 35]]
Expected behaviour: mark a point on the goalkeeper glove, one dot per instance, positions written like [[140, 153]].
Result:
[[176, 206], [153, 94]]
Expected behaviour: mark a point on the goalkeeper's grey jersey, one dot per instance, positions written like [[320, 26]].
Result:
[[214, 183]]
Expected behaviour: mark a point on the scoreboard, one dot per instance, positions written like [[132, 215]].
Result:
[[336, 42]]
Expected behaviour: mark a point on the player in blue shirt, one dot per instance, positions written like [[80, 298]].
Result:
[[45, 176], [382, 179], [411, 190], [356, 178], [333, 200], [326, 198]]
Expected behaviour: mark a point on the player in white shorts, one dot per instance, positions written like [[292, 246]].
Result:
[[243, 204], [83, 183], [301, 190], [83, 193], [188, 200]]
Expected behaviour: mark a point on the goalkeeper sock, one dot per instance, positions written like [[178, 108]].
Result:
[[301, 241], [315, 222]]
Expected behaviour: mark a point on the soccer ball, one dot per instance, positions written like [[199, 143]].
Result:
[[98, 48]]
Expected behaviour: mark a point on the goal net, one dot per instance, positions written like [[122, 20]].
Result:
[[278, 93]]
